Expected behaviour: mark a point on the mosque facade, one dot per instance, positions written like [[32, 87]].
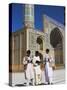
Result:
[[29, 38]]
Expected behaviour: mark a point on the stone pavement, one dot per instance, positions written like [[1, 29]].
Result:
[[58, 78]]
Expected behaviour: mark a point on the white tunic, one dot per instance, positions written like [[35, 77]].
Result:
[[29, 69], [37, 70], [36, 58], [48, 69]]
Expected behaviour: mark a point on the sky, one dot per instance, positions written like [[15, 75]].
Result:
[[17, 15]]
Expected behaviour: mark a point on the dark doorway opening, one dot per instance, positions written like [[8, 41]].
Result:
[[57, 43]]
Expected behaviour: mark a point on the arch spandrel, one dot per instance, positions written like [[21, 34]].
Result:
[[50, 24]]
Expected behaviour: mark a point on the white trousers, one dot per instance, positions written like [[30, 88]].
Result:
[[48, 74], [37, 71], [30, 73]]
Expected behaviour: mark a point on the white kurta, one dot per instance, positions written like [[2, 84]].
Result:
[[29, 69], [37, 70], [48, 69]]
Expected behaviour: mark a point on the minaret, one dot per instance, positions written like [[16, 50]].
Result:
[[29, 16], [45, 24]]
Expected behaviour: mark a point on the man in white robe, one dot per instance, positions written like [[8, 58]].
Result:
[[29, 72], [37, 70], [48, 68]]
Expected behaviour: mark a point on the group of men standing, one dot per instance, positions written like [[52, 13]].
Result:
[[33, 72]]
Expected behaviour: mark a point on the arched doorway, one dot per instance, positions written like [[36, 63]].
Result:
[[56, 40], [40, 42]]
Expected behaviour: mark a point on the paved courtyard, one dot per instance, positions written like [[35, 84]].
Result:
[[58, 78]]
